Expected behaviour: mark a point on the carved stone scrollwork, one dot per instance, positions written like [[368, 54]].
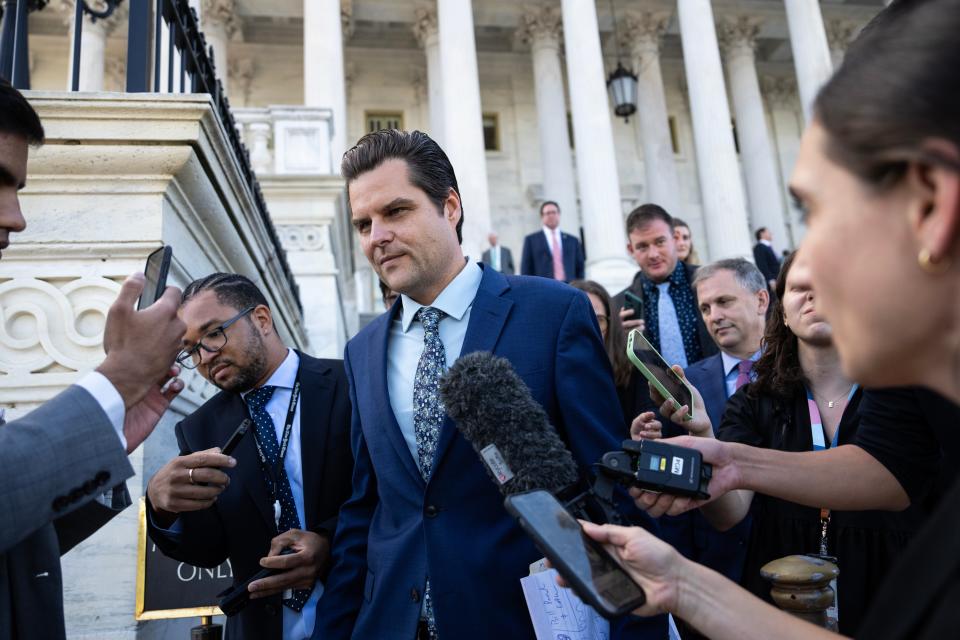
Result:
[[424, 24], [738, 34], [306, 237], [222, 13], [53, 326], [643, 30], [780, 91], [541, 26]]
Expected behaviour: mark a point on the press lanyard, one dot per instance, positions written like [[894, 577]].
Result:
[[274, 471]]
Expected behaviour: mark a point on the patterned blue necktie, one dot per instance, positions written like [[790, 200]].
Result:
[[671, 339], [428, 414], [267, 438]]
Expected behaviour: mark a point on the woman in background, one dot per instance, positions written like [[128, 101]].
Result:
[[685, 250]]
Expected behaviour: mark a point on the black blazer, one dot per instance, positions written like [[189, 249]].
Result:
[[506, 260], [767, 261], [537, 259], [240, 525]]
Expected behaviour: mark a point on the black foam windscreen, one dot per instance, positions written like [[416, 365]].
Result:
[[491, 405]]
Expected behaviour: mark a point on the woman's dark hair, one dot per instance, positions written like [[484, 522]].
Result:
[[428, 167], [897, 87], [615, 342], [778, 369]]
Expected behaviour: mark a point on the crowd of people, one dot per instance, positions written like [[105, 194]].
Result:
[[826, 396]]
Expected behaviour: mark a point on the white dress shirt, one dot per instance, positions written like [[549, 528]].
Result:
[[549, 235], [406, 344]]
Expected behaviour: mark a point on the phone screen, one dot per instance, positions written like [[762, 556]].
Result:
[[587, 567], [644, 352], [158, 265]]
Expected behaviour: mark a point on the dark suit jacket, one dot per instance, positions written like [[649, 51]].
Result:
[[537, 260], [767, 261], [397, 529], [240, 525], [506, 260], [55, 461]]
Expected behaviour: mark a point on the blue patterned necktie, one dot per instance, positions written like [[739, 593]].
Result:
[[428, 414], [671, 339], [267, 438]]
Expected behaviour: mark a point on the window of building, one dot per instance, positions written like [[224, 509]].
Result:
[[491, 132], [377, 120], [674, 136]]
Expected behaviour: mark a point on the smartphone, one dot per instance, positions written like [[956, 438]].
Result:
[[631, 301], [658, 372], [156, 270], [583, 562], [236, 437]]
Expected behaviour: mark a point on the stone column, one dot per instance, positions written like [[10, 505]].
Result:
[[220, 25], [642, 35], [811, 55], [781, 95], [460, 95], [840, 33], [738, 36], [323, 80], [721, 190], [93, 44], [600, 207], [428, 35], [541, 29]]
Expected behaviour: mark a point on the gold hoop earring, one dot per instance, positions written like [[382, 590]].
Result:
[[933, 266]]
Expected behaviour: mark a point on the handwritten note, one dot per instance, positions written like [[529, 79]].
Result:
[[558, 614]]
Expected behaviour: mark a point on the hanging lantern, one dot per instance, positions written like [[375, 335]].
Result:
[[622, 85]]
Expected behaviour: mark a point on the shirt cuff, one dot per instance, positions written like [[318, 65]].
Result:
[[108, 398], [175, 529]]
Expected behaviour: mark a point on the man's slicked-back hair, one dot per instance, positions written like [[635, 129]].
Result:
[[645, 214], [428, 167], [17, 117], [744, 272], [231, 289]]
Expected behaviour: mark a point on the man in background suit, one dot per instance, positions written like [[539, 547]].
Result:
[[766, 258], [498, 256], [424, 547], [551, 253], [63, 465], [204, 510]]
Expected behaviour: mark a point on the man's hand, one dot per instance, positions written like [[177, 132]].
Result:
[[726, 478], [646, 427], [629, 322], [140, 419], [140, 345], [700, 425], [300, 570], [188, 483]]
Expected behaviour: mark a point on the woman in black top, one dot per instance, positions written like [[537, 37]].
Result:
[[878, 174]]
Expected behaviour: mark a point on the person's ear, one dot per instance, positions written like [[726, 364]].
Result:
[[763, 301], [934, 203], [262, 319], [451, 207]]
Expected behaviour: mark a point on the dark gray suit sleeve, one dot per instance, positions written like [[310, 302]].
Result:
[[55, 460]]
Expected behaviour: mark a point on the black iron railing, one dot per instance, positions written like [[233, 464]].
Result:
[[158, 31]]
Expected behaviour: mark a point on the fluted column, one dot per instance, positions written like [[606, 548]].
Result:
[[428, 35], [724, 206], [811, 55], [781, 95], [219, 27], [600, 207], [643, 32], [541, 29], [323, 80], [462, 117], [93, 44], [738, 38]]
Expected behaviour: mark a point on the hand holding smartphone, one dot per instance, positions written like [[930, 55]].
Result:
[[658, 372], [156, 271]]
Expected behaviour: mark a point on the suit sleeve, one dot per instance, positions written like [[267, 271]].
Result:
[[526, 259], [509, 261], [343, 592], [55, 460], [200, 538]]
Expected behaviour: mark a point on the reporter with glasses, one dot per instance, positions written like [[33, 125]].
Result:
[[283, 485], [878, 174]]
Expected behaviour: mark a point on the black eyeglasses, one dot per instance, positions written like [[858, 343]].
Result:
[[211, 343]]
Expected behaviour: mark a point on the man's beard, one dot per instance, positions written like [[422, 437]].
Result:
[[250, 374]]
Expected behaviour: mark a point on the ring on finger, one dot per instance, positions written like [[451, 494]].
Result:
[[190, 475]]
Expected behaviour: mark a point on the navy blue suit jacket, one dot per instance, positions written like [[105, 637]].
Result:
[[691, 533], [537, 259], [396, 529]]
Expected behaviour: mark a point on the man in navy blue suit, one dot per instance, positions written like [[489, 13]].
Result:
[[424, 547], [732, 298], [766, 258], [551, 253]]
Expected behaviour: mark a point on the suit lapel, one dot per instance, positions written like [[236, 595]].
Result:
[[317, 397], [488, 316], [716, 389], [378, 393], [248, 462]]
